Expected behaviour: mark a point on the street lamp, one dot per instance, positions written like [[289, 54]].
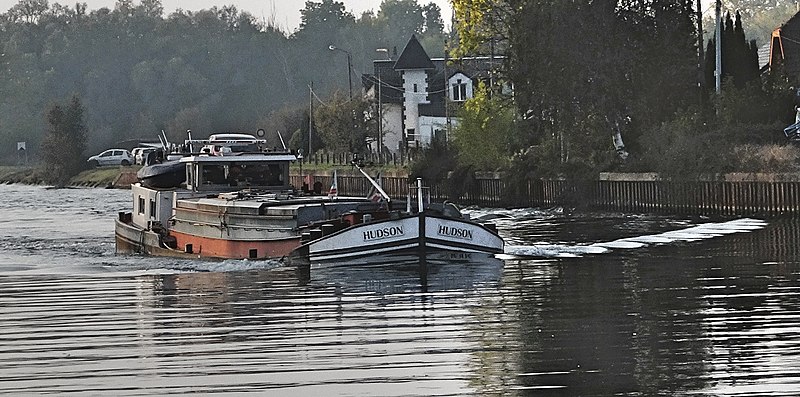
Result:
[[349, 67], [380, 105]]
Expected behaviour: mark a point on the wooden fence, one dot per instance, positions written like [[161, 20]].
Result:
[[765, 195], [330, 158]]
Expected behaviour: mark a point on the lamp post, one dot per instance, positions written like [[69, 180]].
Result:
[[380, 104], [349, 67]]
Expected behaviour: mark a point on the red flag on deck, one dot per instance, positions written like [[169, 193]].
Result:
[[374, 195], [334, 187]]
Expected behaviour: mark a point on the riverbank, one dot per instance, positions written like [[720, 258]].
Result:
[[118, 177], [121, 177]]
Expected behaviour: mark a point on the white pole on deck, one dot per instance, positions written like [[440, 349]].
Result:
[[420, 205]]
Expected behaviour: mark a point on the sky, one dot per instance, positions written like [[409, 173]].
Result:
[[286, 13]]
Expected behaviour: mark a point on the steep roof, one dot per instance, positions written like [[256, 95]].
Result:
[[413, 57]]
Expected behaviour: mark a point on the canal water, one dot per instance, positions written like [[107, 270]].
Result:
[[580, 305]]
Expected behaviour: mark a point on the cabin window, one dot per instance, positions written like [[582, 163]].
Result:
[[152, 208], [140, 207], [189, 176], [213, 174]]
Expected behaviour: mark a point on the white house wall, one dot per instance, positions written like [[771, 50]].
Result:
[[428, 126], [413, 97], [392, 126]]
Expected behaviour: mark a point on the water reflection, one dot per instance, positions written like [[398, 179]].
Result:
[[712, 317], [671, 320]]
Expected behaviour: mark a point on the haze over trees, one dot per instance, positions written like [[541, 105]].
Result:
[[138, 71], [597, 85]]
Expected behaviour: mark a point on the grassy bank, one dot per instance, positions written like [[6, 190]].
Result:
[[112, 176], [25, 175]]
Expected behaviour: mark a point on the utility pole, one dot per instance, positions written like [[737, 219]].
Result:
[[310, 114], [701, 51], [349, 68], [380, 117], [378, 71], [718, 72]]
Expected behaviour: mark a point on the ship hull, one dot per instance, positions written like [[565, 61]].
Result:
[[411, 233], [131, 239]]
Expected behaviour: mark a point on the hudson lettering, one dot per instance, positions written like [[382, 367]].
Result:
[[456, 232], [386, 232]]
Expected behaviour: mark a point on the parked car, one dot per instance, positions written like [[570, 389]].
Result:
[[111, 157], [140, 154]]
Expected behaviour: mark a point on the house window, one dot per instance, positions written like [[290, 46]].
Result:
[[141, 205], [459, 91], [152, 208], [415, 88]]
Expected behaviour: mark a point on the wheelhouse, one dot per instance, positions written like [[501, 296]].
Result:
[[267, 171]]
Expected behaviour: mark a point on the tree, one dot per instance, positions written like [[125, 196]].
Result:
[[344, 124], [64, 144], [739, 58], [583, 69], [401, 18], [433, 37], [138, 72], [328, 17], [763, 16], [28, 11], [485, 136], [292, 122]]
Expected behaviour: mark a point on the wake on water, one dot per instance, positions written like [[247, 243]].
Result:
[[507, 218], [694, 233]]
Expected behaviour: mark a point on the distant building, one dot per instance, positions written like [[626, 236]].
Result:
[[413, 93]]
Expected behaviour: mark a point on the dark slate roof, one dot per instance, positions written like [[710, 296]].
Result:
[[438, 71], [413, 57], [391, 81]]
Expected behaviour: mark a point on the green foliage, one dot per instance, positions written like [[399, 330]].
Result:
[[486, 133], [63, 146], [479, 22], [344, 124], [294, 123], [401, 17], [434, 162], [767, 158], [751, 105], [138, 71], [686, 148], [739, 58]]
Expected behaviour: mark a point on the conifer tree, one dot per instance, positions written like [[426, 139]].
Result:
[[65, 141]]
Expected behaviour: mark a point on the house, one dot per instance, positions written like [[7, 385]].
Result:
[[417, 96], [785, 47]]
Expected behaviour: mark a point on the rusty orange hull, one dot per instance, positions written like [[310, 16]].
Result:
[[233, 249], [131, 239]]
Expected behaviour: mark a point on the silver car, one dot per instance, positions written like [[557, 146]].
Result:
[[111, 157]]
